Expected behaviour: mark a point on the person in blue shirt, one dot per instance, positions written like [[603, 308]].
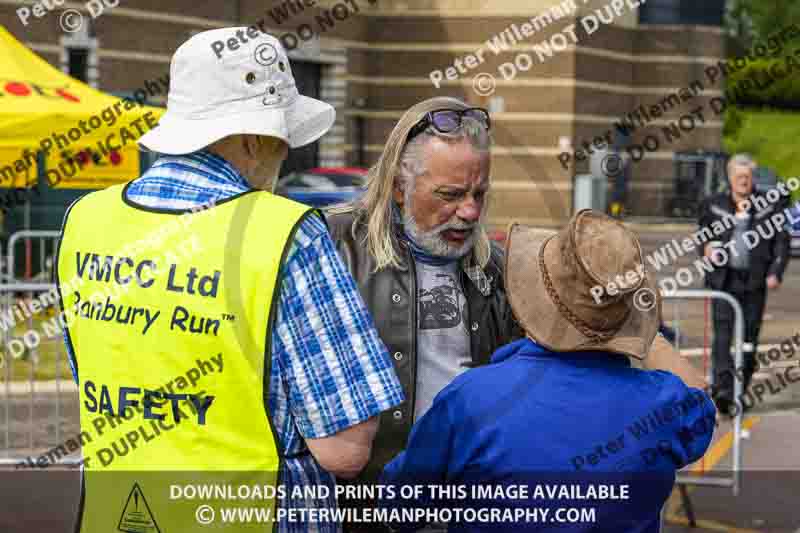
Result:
[[559, 432]]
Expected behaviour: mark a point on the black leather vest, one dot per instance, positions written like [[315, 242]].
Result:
[[390, 296]]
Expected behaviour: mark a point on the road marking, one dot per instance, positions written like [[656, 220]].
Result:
[[710, 525], [720, 449], [713, 456], [696, 352], [783, 412], [707, 463]]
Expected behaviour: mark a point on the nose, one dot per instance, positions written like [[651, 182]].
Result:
[[470, 209]]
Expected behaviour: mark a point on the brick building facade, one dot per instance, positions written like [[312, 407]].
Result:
[[372, 59]]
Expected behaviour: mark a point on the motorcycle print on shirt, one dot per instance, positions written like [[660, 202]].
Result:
[[439, 307]]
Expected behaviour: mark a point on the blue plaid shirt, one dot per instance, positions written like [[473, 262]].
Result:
[[332, 370]]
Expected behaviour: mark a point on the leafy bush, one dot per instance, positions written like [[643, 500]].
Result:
[[771, 83], [734, 120], [771, 137]]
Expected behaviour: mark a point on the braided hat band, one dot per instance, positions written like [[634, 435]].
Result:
[[550, 282], [579, 324]]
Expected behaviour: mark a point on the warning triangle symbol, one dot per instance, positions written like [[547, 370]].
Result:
[[136, 516]]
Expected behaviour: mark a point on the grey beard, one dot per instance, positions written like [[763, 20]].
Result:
[[433, 243]]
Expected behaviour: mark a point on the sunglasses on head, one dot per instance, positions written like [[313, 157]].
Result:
[[448, 120]]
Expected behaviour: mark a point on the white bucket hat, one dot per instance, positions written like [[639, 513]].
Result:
[[245, 88]]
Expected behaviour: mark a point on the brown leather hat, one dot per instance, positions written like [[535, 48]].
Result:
[[550, 277]]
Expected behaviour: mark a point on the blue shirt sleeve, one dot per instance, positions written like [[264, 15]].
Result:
[[434, 456], [697, 427], [336, 370], [426, 459], [693, 430]]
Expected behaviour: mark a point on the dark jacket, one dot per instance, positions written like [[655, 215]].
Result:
[[388, 295], [770, 255]]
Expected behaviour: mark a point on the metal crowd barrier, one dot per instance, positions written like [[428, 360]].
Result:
[[21, 283], [32, 411], [28, 238], [734, 481], [45, 244]]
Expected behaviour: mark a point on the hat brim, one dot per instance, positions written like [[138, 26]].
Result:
[[303, 122], [541, 319]]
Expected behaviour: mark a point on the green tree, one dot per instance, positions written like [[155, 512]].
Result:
[[748, 19], [739, 23]]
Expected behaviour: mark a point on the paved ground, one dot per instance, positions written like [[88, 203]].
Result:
[[770, 490], [770, 482]]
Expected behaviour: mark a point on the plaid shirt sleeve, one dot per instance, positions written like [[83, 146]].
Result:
[[336, 370]]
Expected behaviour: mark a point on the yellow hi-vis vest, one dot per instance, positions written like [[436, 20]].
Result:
[[168, 315]]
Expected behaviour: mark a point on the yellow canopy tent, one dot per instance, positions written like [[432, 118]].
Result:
[[87, 138]]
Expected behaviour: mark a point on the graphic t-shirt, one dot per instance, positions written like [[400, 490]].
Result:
[[443, 348]]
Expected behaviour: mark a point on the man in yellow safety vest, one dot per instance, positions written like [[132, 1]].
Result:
[[224, 356]]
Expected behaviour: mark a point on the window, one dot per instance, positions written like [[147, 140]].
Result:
[[78, 63], [79, 55]]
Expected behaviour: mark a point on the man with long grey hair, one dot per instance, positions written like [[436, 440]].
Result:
[[423, 261]]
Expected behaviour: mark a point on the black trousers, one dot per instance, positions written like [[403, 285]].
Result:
[[752, 302]]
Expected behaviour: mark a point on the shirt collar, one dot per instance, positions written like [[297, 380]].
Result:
[[204, 159], [528, 347], [519, 347]]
